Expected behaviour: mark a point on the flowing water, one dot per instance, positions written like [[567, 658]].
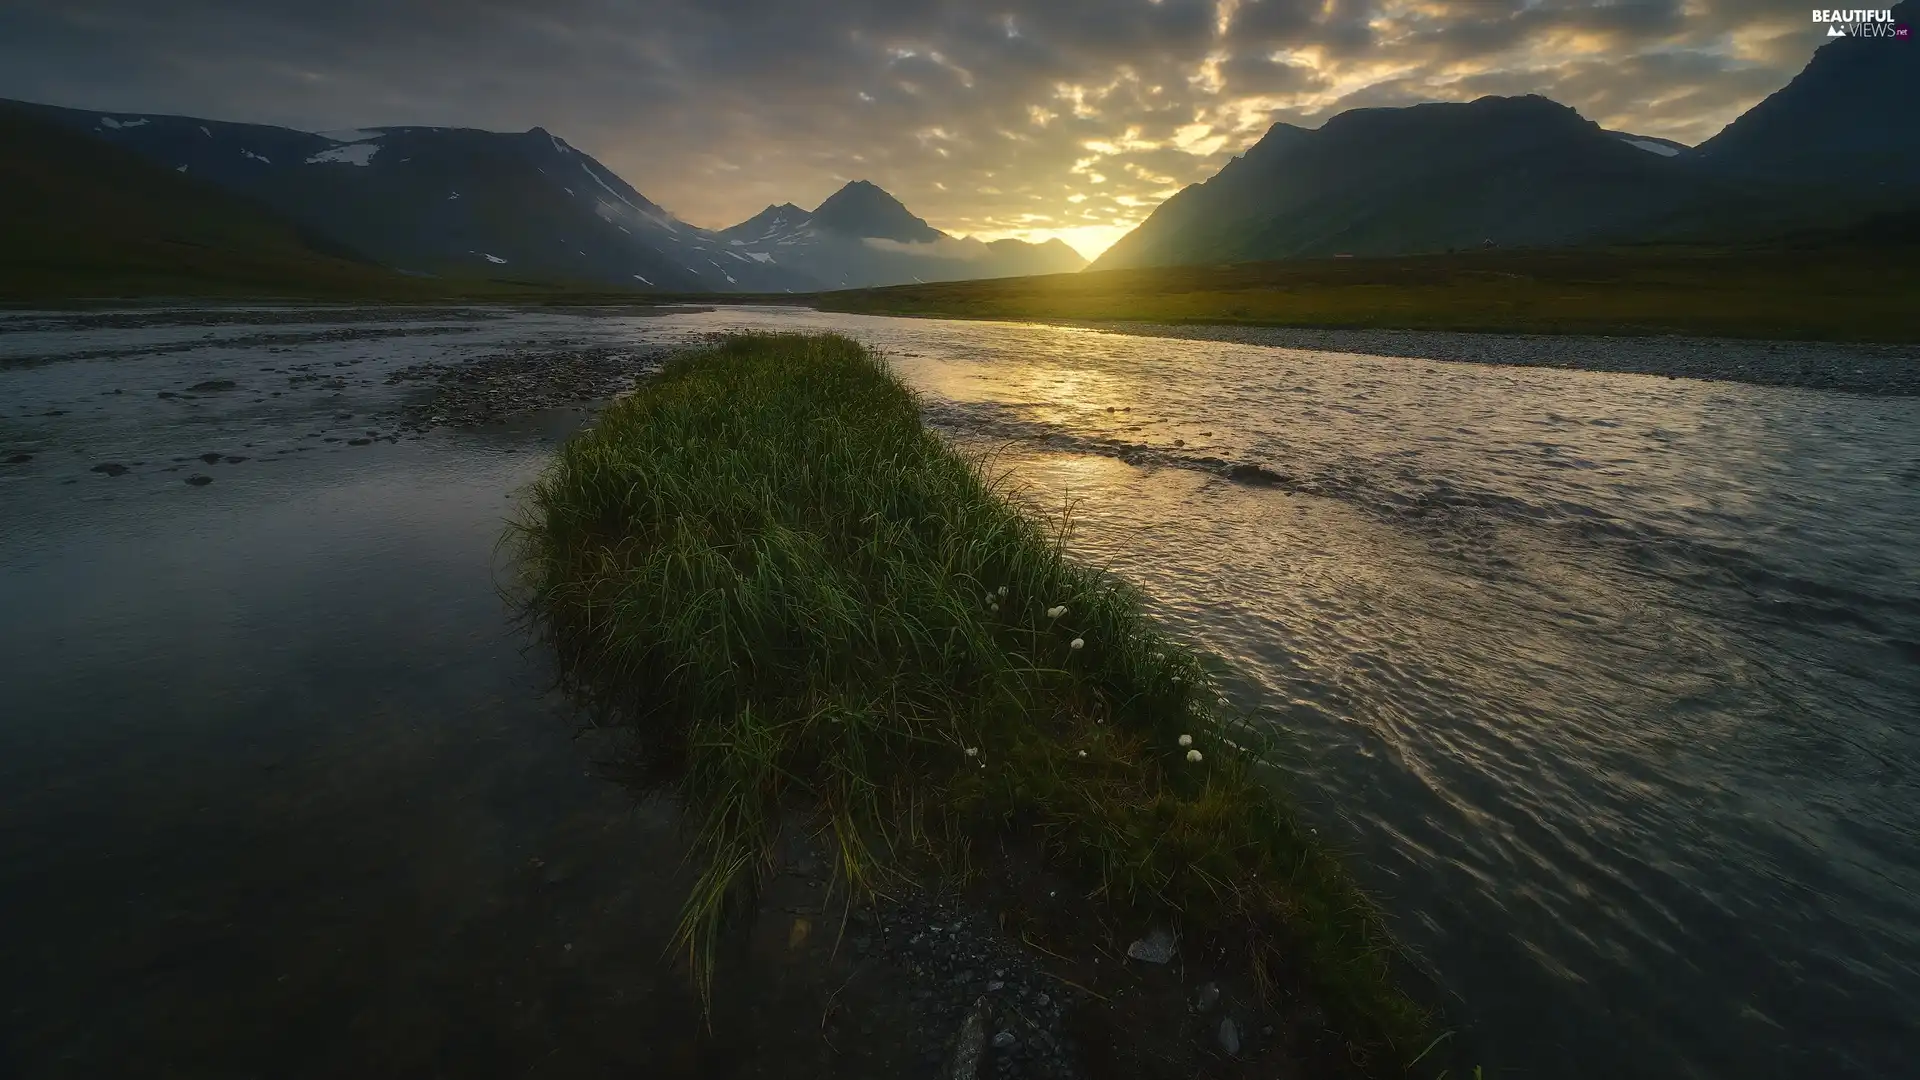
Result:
[[1610, 684]]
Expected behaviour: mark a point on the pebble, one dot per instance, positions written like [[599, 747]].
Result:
[[1155, 948], [1229, 1037]]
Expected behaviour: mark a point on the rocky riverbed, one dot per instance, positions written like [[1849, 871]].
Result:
[[1863, 369], [496, 387], [1014, 977]]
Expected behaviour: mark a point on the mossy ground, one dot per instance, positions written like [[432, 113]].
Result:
[[1828, 292], [802, 599]]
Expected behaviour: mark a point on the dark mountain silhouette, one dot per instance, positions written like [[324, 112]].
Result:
[[444, 201], [1512, 171], [1847, 118], [77, 215], [1831, 149], [526, 206]]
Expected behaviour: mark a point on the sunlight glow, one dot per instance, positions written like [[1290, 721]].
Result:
[[1089, 240]]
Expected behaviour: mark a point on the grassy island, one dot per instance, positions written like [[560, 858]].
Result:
[[804, 600]]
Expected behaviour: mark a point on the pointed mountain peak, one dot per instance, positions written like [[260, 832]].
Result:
[[863, 209], [773, 221]]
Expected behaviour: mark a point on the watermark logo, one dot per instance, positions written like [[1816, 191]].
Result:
[[1861, 23]]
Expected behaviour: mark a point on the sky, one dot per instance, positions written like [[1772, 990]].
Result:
[[989, 118]]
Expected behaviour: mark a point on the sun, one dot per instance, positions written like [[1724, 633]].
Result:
[[1089, 240]]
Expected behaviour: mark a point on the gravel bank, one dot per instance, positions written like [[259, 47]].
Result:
[[495, 387], [1860, 369]]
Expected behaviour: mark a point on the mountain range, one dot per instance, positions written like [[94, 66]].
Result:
[[1834, 147], [78, 215], [459, 202], [1829, 151]]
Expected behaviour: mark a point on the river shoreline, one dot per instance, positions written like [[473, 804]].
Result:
[[1671, 614], [1887, 370]]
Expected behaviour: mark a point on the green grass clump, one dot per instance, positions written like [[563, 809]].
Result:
[[804, 599]]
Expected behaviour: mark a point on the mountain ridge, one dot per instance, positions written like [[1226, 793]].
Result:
[[449, 201]]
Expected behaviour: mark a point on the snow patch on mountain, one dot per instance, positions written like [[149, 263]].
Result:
[[257, 157], [116, 125], [762, 257], [353, 153], [1653, 147]]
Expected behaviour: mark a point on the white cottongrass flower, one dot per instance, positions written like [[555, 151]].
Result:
[[1056, 612], [1002, 590], [973, 751], [1193, 755], [1186, 740], [1077, 643], [1083, 753], [993, 607]]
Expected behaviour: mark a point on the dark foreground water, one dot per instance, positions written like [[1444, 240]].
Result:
[[1610, 683]]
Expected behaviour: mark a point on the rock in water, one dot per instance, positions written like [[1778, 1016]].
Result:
[[111, 468], [212, 385], [199, 481], [969, 1045], [1155, 948], [1256, 474], [1229, 1037]]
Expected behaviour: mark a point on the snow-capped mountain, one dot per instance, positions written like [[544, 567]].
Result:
[[464, 202], [862, 237], [446, 201], [1652, 144]]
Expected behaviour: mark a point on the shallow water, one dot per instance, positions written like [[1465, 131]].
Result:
[[1610, 683]]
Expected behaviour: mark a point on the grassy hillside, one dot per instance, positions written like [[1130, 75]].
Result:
[[1861, 290], [80, 217]]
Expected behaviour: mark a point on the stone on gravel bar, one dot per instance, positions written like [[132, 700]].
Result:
[[1155, 948], [1229, 1037], [968, 1045]]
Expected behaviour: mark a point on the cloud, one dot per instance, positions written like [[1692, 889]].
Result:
[[1023, 117]]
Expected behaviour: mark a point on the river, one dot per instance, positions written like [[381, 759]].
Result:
[[1609, 684]]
